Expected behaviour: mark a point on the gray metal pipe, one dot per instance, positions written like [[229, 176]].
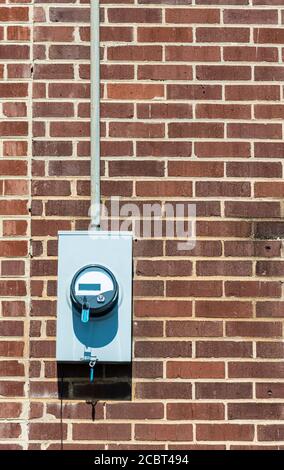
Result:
[[95, 114]]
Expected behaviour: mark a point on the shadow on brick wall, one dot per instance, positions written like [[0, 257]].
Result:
[[111, 382]]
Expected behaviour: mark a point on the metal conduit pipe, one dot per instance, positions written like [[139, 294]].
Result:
[[95, 113]]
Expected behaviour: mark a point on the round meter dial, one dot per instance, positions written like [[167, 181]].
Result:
[[94, 289]]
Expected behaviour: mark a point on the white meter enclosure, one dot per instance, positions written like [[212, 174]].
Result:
[[94, 305]]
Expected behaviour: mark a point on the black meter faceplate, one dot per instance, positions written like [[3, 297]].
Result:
[[91, 295]]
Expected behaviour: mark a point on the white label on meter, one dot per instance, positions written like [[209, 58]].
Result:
[[93, 282]]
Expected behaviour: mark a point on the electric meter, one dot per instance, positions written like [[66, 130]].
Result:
[[94, 291]]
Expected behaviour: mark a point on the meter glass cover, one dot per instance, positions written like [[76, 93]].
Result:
[[93, 281]]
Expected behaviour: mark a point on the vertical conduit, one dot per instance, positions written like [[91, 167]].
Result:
[[95, 113]]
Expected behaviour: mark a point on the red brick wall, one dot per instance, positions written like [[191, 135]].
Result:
[[191, 111]]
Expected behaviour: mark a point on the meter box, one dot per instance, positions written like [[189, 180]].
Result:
[[94, 305]]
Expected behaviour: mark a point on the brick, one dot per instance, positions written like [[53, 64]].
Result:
[[42, 267], [194, 288], [148, 288], [95, 431], [163, 432], [50, 188], [193, 92], [9, 14], [195, 369], [11, 388], [148, 328], [53, 33], [199, 130], [250, 54], [222, 72], [268, 35], [69, 129], [222, 189], [163, 390], [14, 128], [14, 52], [13, 308], [252, 92], [218, 349], [69, 15], [223, 390], [10, 430], [13, 248], [116, 148], [164, 268], [134, 15], [223, 309], [269, 230], [224, 268], [222, 2], [224, 432], [12, 368], [193, 53], [269, 111], [164, 72], [181, 328], [223, 34], [44, 109], [269, 149], [254, 170], [269, 390], [136, 130], [196, 169], [221, 149], [148, 369], [224, 228], [15, 109], [195, 411], [196, 15], [266, 190], [12, 288], [251, 16], [135, 411], [267, 268], [49, 227], [47, 431], [164, 149], [53, 72], [10, 410], [270, 432], [252, 209], [254, 329], [163, 188], [48, 148], [67, 90], [135, 53], [153, 349], [164, 34], [19, 71], [202, 248], [137, 168], [270, 309], [272, 350], [256, 370], [164, 111], [12, 348], [255, 131], [161, 308], [268, 73], [222, 111], [15, 148], [135, 92], [252, 289], [42, 348]]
